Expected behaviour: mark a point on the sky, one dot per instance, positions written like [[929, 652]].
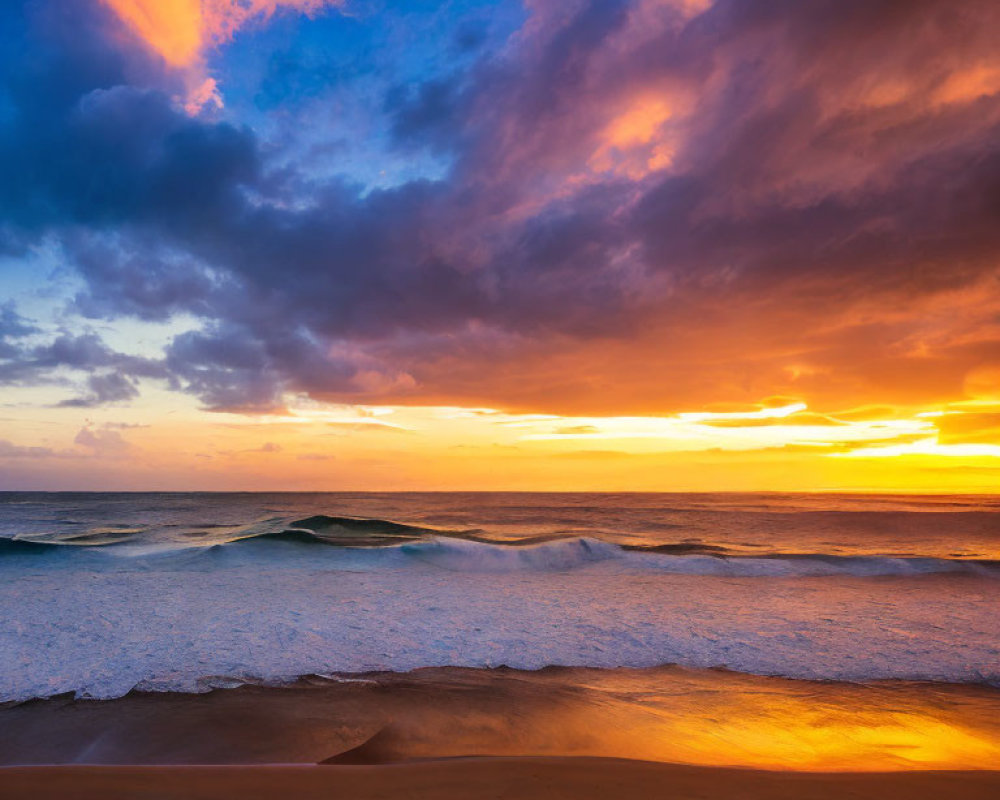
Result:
[[676, 245]]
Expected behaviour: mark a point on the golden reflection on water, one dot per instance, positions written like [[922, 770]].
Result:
[[669, 714], [794, 737], [720, 718]]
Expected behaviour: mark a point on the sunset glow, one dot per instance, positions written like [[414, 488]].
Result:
[[181, 30], [522, 398], [322, 245], [174, 28]]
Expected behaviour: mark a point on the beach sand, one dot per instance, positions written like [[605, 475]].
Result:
[[450, 733], [666, 714], [483, 779]]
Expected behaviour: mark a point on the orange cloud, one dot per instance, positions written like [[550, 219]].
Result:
[[633, 143], [173, 28], [983, 383], [317, 446], [969, 428], [180, 30], [966, 85], [639, 123]]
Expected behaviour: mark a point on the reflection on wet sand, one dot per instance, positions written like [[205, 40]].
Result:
[[665, 714]]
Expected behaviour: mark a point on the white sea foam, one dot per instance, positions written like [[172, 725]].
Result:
[[103, 593], [81, 620]]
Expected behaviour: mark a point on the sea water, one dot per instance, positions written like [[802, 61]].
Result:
[[101, 594]]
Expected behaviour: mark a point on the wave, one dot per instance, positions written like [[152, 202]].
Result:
[[465, 556], [471, 556], [466, 551], [23, 545], [340, 530], [371, 543], [14, 546], [292, 548]]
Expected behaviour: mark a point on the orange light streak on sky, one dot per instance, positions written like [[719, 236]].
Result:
[[180, 30]]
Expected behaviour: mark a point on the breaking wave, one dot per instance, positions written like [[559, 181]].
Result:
[[336, 542], [183, 594]]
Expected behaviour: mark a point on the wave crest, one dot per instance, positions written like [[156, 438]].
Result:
[[356, 543]]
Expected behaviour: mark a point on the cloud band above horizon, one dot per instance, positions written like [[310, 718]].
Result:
[[583, 209]]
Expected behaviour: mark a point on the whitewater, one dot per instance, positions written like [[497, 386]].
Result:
[[101, 594]]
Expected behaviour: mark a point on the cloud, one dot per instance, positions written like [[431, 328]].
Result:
[[112, 377], [969, 428], [110, 387], [88, 149], [182, 31], [647, 206], [173, 29], [13, 329], [102, 442], [801, 418], [10, 450], [267, 447], [93, 440]]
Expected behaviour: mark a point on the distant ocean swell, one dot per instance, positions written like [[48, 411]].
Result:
[[376, 543]]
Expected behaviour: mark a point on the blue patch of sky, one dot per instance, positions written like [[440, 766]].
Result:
[[38, 283], [8, 111], [315, 89], [41, 286]]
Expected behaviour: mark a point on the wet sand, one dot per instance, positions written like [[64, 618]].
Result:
[[446, 733], [666, 714], [483, 779]]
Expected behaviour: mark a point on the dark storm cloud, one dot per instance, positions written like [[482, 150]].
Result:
[[779, 175], [85, 147], [123, 155], [141, 281]]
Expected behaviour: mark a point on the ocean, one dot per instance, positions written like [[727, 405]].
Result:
[[808, 632], [103, 594]]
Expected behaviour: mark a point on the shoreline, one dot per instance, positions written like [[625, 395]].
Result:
[[483, 778], [669, 714]]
